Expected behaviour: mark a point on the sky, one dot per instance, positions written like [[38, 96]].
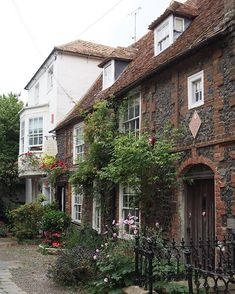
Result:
[[31, 28]]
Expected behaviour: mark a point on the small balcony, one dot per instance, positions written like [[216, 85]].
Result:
[[28, 164]]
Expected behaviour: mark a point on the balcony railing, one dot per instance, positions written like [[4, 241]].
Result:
[[28, 164]]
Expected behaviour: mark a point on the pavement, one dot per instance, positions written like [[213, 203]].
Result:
[[7, 286]]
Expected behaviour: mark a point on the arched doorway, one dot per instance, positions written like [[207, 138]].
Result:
[[199, 203]]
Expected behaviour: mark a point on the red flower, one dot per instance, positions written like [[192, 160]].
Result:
[[56, 244], [52, 165], [60, 163]]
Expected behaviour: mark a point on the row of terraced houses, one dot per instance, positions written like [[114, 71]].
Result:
[[182, 71]]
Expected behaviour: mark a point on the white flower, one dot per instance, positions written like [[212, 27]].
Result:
[[114, 235], [113, 223], [95, 257], [97, 250], [157, 225], [106, 280], [106, 244]]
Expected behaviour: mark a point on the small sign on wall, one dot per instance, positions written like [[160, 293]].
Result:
[[50, 146]]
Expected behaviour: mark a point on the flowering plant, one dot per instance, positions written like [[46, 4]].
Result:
[[47, 164], [114, 261], [53, 168], [52, 239]]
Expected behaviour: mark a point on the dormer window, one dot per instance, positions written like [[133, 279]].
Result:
[[168, 31], [108, 74], [162, 36], [179, 24]]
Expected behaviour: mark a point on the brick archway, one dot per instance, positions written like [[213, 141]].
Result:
[[178, 218]]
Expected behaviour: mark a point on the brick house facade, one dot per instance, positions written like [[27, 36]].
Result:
[[205, 53]]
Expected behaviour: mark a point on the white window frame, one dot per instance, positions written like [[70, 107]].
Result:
[[96, 213], [22, 136], [192, 103], [157, 32], [77, 205], [181, 19], [108, 82], [136, 119], [36, 132], [50, 74], [36, 94], [123, 231], [78, 144]]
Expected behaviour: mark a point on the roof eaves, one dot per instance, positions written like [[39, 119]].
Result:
[[40, 68]]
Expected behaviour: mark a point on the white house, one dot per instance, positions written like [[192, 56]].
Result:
[[62, 79]]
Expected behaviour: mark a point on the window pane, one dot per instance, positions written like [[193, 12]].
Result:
[[179, 24]]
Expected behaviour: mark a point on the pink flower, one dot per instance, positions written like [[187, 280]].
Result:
[[97, 250], [114, 235]]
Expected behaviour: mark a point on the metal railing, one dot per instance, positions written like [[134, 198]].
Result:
[[207, 265]]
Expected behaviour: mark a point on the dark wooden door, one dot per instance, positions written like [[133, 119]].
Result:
[[200, 210], [60, 197]]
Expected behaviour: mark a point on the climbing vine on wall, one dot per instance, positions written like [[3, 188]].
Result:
[[114, 158]]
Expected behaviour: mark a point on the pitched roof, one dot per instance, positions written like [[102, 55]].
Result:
[[85, 48], [120, 53], [179, 9], [207, 25], [78, 47]]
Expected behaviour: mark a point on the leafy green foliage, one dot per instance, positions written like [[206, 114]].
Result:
[[170, 287], [26, 221], [113, 158], [114, 263], [55, 221], [100, 131], [137, 163], [9, 142]]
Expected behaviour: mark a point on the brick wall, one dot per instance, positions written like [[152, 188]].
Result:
[[164, 99]]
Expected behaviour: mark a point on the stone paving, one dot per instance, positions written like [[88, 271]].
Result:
[[7, 286]]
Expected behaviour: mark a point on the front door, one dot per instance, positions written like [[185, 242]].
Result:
[[200, 210], [60, 197]]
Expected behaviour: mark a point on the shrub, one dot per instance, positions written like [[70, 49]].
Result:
[[26, 221], [73, 267], [3, 231], [55, 221], [114, 264]]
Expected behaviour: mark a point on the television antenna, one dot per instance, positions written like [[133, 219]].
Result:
[[134, 13]]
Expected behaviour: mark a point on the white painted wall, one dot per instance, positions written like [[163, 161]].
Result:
[[76, 75], [72, 77]]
